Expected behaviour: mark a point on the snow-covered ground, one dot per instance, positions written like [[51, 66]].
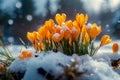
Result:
[[97, 67]]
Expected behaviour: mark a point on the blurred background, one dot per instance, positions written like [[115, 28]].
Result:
[[17, 17]]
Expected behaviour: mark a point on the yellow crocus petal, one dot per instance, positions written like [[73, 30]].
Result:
[[40, 37], [86, 38], [86, 18], [60, 18], [94, 31], [99, 30], [75, 24], [83, 30], [49, 24], [115, 47], [81, 19], [69, 24], [105, 40], [85, 35], [42, 31], [48, 35], [63, 17], [57, 18], [77, 18], [105, 37], [32, 36]]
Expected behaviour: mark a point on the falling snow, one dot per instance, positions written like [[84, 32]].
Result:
[[18, 5], [29, 17], [10, 21]]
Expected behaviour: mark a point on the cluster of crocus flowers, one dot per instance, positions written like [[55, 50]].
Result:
[[25, 55], [67, 35]]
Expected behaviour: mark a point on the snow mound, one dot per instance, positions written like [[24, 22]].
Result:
[[97, 67]]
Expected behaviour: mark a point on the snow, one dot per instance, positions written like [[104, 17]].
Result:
[[18, 66], [10, 21], [98, 67], [29, 17], [74, 30], [56, 35], [18, 4], [99, 71], [89, 25]]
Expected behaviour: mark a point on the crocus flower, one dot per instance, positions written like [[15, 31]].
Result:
[[69, 24], [49, 25], [115, 47], [25, 54], [32, 36], [94, 31], [81, 19], [43, 33], [105, 40], [60, 18]]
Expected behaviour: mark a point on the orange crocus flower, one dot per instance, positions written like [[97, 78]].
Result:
[[115, 47], [105, 40], [42, 30], [60, 18], [49, 25], [25, 54], [94, 31], [32, 36], [85, 35], [40, 37], [81, 19], [69, 24], [43, 33]]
